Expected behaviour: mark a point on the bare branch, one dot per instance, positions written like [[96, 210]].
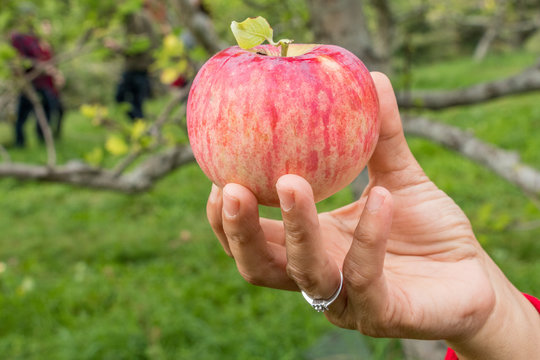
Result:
[[178, 98], [126, 162], [504, 163], [158, 166], [140, 179], [6, 98], [43, 122], [526, 81], [527, 226], [199, 24], [5, 154]]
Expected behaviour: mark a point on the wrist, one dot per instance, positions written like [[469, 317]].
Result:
[[511, 331]]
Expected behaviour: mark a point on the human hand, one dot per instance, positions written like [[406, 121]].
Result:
[[411, 264]]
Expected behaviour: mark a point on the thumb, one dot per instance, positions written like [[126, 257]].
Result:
[[363, 267], [392, 154]]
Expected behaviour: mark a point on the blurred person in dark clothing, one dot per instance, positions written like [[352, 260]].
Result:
[[45, 78], [137, 50]]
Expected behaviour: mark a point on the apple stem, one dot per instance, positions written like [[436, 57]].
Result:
[[284, 48], [283, 44]]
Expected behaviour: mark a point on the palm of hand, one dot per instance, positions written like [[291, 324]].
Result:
[[431, 260]]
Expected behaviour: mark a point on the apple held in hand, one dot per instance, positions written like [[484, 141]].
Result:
[[254, 115]]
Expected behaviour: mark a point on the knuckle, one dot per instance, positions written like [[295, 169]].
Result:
[[375, 324], [253, 278], [299, 233], [365, 240], [380, 322], [302, 279], [372, 329], [237, 237], [238, 234], [355, 279], [295, 234]]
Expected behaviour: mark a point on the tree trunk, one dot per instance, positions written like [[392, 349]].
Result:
[[385, 33], [200, 25], [527, 25], [343, 23], [491, 33]]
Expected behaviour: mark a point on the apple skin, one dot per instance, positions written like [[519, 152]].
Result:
[[252, 118]]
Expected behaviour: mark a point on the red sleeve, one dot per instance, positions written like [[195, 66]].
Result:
[[451, 355], [45, 52], [534, 301], [27, 45]]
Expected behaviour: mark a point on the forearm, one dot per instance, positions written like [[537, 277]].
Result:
[[512, 331]]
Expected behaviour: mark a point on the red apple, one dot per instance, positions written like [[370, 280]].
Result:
[[254, 116]]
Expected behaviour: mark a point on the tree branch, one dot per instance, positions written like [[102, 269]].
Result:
[[504, 163], [526, 81], [4, 154], [140, 179], [43, 122], [199, 24], [154, 130]]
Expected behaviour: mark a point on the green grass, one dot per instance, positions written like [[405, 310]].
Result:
[[461, 72], [99, 275], [109, 276]]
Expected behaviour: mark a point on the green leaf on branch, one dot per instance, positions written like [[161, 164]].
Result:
[[116, 145], [252, 32], [7, 52], [173, 46], [138, 129], [95, 157]]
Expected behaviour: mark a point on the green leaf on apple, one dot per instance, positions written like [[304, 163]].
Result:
[[254, 31]]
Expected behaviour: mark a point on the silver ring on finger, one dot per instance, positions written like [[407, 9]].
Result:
[[321, 305]]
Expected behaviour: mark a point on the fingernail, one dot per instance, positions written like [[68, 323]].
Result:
[[231, 205], [375, 200], [286, 200]]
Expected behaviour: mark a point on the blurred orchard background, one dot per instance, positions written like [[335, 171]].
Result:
[[105, 251]]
